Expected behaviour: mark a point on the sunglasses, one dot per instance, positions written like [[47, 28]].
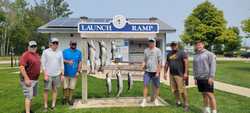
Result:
[[73, 44], [150, 41], [33, 46], [55, 43], [173, 45]]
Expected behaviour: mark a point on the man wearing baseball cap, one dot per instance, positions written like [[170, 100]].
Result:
[[177, 60], [152, 60], [30, 72], [52, 66], [72, 58]]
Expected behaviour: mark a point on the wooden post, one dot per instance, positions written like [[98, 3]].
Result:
[[152, 87], [84, 63]]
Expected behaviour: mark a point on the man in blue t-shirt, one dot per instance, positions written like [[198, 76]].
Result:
[[72, 58]]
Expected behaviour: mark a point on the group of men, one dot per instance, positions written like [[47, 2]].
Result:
[[68, 64], [204, 66], [56, 66]]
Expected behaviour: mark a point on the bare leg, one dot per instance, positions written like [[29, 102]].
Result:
[[64, 93], [156, 92], [145, 91], [206, 99], [185, 98], [177, 96], [212, 100], [45, 98], [54, 95], [27, 105], [70, 94]]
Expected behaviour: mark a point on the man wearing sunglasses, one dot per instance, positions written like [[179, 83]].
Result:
[[152, 60], [30, 72], [72, 58], [52, 66], [177, 60]]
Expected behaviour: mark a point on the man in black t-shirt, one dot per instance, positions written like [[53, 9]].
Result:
[[177, 60]]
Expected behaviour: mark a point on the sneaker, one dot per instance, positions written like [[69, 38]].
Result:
[[45, 109], [143, 104], [54, 108], [70, 103], [156, 103], [30, 111], [206, 112], [177, 105], [186, 108], [64, 101]]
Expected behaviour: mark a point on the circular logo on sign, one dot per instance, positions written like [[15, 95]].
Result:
[[119, 21]]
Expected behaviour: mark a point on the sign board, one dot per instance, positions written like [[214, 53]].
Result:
[[118, 25]]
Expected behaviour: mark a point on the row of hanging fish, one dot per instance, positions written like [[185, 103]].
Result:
[[102, 55], [119, 84]]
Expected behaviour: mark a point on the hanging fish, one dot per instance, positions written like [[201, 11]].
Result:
[[119, 84], [130, 82], [108, 83], [102, 56], [113, 50], [91, 56]]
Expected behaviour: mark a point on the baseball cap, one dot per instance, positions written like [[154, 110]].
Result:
[[73, 42], [151, 38], [174, 42], [32, 43], [54, 40]]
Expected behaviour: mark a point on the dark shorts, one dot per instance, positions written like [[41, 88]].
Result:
[[203, 86], [148, 76]]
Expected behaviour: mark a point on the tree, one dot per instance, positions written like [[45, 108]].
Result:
[[246, 27], [236, 44], [205, 23], [50, 9], [180, 46]]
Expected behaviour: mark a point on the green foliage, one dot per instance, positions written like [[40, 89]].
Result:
[[50, 9], [180, 46], [246, 27], [235, 45], [205, 23]]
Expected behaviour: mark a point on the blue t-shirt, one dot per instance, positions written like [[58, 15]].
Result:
[[76, 56]]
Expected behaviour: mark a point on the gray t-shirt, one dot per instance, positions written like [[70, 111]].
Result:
[[152, 58], [52, 62], [176, 63]]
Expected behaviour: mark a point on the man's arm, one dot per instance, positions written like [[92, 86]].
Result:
[[142, 65], [165, 70], [212, 68], [185, 76], [68, 62], [79, 68], [158, 70], [25, 76]]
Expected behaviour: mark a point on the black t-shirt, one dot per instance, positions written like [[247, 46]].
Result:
[[176, 63]]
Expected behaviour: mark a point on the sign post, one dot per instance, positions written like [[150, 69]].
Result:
[[118, 28]]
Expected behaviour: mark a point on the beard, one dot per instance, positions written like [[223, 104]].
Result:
[[73, 48]]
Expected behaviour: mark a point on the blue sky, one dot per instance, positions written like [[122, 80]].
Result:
[[172, 12]]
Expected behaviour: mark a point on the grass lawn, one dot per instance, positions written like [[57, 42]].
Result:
[[231, 72], [12, 98]]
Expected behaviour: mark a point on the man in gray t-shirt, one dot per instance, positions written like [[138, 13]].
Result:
[[152, 60]]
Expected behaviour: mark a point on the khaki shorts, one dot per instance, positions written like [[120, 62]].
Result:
[[69, 82], [54, 81], [177, 83]]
